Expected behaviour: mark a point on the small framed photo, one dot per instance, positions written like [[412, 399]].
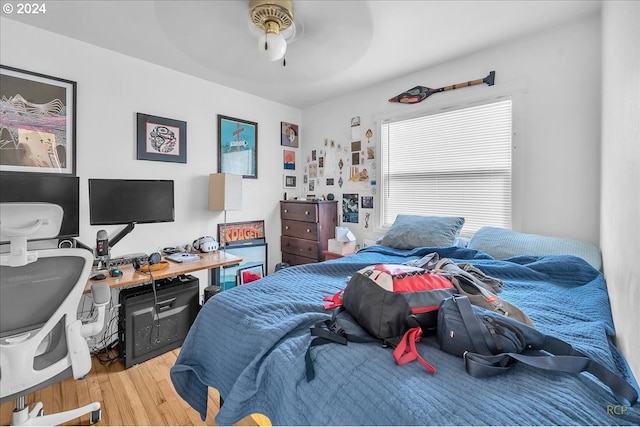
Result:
[[250, 274], [289, 135], [289, 181], [37, 123], [161, 139], [289, 159]]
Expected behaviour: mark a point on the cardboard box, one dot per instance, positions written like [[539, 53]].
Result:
[[342, 248]]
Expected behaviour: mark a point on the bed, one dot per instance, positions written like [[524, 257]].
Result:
[[249, 343]]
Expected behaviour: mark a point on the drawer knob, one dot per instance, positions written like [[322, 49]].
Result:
[[286, 227], [308, 231], [306, 212], [285, 211]]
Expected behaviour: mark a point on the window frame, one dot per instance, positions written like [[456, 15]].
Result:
[[515, 91]]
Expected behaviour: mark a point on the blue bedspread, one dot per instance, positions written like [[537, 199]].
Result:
[[249, 344]]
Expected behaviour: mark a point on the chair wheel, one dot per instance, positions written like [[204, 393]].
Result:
[[96, 416]]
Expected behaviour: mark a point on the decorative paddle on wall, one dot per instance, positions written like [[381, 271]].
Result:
[[420, 93]]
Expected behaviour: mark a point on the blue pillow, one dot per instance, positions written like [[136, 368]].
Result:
[[502, 243], [414, 231]]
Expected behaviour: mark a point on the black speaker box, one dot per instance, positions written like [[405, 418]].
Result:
[[151, 324]]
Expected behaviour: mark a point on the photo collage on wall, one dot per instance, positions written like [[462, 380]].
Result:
[[348, 166]]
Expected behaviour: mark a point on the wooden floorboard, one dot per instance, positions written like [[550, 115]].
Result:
[[140, 395]]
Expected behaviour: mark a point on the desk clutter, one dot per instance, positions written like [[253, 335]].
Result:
[[183, 257], [146, 267], [140, 261]]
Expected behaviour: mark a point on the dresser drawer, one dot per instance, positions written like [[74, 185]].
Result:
[[300, 229], [301, 247], [307, 212], [293, 259]]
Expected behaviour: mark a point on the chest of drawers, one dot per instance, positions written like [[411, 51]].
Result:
[[306, 229]]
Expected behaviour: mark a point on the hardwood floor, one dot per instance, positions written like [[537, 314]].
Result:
[[138, 396]]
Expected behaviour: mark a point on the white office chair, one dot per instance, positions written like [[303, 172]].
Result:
[[41, 340]]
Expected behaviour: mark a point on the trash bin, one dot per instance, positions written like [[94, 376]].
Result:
[[210, 291], [282, 265]]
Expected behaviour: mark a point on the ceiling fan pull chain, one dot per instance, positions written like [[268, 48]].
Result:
[[265, 40]]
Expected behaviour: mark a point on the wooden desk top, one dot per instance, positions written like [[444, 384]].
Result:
[[132, 277]]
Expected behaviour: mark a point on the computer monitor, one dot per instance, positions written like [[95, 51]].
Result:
[[130, 201], [61, 190]]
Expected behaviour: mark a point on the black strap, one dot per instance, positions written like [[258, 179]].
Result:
[[328, 331], [480, 366], [563, 358], [474, 327], [322, 336]]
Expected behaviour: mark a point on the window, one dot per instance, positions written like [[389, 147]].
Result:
[[456, 163]]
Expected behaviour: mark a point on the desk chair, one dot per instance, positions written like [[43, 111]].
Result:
[[41, 340]]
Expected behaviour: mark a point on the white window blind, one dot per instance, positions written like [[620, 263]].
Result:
[[456, 163]]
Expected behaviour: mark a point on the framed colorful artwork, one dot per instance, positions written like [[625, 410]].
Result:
[[237, 147], [250, 274], [38, 122], [289, 159], [227, 277], [289, 135], [350, 208], [161, 139], [241, 233]]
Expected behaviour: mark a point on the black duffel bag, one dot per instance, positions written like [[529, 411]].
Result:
[[490, 343]]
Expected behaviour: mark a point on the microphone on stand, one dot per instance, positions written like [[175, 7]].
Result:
[[102, 248], [102, 244]]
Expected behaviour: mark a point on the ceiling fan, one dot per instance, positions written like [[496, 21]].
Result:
[[274, 24]]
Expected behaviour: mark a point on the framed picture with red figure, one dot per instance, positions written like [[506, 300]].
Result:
[[250, 274]]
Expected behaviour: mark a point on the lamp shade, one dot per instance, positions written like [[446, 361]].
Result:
[[225, 192]]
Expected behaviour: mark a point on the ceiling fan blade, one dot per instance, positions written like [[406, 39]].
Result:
[[295, 30]]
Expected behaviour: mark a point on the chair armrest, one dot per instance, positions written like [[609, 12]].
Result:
[[101, 294]]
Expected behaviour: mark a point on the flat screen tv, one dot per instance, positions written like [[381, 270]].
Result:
[[130, 201], [62, 190]]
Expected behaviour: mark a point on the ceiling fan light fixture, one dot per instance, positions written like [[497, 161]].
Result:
[[273, 46], [272, 17]]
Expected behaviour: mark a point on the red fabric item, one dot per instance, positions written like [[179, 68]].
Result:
[[406, 350], [336, 300]]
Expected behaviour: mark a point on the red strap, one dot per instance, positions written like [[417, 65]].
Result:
[[336, 300], [404, 354]]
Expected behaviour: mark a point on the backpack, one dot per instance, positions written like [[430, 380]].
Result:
[[394, 303], [490, 343]]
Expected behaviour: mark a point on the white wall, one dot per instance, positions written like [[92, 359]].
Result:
[[111, 89], [620, 212], [555, 77]]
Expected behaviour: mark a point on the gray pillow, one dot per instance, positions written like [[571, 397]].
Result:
[[502, 243], [414, 231]]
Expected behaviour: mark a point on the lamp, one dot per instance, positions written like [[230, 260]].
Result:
[[225, 194], [273, 17]]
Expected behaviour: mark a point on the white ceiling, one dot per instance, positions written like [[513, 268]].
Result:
[[345, 46]]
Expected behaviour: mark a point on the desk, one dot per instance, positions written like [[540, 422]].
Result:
[[130, 276]]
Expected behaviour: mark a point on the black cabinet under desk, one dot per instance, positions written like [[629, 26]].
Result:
[[152, 323]]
